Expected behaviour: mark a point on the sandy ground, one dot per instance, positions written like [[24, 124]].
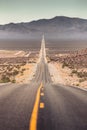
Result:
[[63, 76], [11, 53], [26, 76], [26, 72]]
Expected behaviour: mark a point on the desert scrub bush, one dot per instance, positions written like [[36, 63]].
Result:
[[9, 68], [64, 65], [15, 72], [82, 80], [82, 74], [9, 74], [18, 66], [74, 72], [23, 64], [5, 79], [79, 74], [23, 70], [77, 84], [13, 81]]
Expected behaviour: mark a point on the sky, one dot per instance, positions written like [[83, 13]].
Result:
[[28, 10]]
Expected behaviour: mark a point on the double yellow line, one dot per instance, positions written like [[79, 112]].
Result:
[[33, 120]]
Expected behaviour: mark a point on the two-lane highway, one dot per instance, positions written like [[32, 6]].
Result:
[[42, 105]]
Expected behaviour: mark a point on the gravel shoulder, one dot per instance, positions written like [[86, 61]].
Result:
[[63, 76]]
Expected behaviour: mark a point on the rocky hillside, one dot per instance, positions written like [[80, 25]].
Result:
[[73, 60], [59, 27]]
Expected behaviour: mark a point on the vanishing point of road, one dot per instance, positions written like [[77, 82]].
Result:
[[42, 104]]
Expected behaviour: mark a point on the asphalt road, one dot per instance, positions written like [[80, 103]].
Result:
[[65, 108]]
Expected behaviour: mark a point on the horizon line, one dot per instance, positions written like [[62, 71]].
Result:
[[43, 19]]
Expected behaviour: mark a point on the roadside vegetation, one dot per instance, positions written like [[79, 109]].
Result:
[[9, 72], [15, 65], [73, 64], [82, 75]]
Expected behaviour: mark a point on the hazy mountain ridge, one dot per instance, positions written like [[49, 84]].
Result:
[[57, 27]]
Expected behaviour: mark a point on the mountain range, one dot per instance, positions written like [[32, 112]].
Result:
[[59, 27]]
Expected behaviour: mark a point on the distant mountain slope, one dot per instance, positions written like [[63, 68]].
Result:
[[59, 27]]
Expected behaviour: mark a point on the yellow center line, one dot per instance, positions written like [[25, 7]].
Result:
[[41, 105], [33, 120]]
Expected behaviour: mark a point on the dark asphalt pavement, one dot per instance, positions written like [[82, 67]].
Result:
[[65, 109]]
